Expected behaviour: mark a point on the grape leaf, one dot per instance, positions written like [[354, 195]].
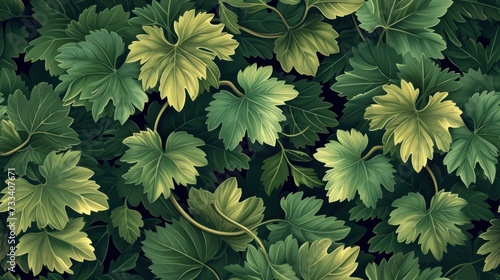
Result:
[[399, 267], [492, 246], [344, 159], [332, 9], [66, 184], [248, 212], [128, 222], [303, 223], [473, 82], [316, 263], [11, 9], [93, 76], [477, 206], [179, 250], [436, 226], [156, 167], [43, 130], [418, 130], [179, 66], [478, 146], [255, 113], [55, 249], [407, 24], [297, 48]]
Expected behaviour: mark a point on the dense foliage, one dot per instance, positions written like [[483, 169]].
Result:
[[250, 139]]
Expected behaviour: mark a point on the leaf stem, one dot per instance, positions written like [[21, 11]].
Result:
[[260, 35], [433, 177], [460, 265], [380, 38], [306, 11], [283, 19], [17, 148], [200, 226], [157, 121], [357, 29], [296, 134], [232, 86], [373, 150]]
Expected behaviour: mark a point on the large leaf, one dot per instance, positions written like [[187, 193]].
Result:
[[399, 267], [55, 249], [256, 113], [473, 82], [417, 130], [11, 9], [128, 221], [180, 66], [407, 24], [344, 158], [93, 76], [179, 251], [335, 8], [156, 167], [297, 48], [226, 197], [480, 145], [303, 223], [492, 246], [316, 263], [436, 225], [66, 184]]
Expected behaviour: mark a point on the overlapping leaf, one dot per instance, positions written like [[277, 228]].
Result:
[[66, 184], [12, 42], [492, 246], [156, 167], [180, 66], [11, 9], [335, 8], [128, 221], [344, 158], [256, 113], [417, 130], [435, 227], [9, 83], [400, 267]]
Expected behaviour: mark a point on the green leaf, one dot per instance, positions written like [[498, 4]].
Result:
[[229, 18], [480, 145], [436, 226], [250, 46], [308, 113], [399, 267], [248, 212], [275, 172], [256, 113], [55, 249], [9, 83], [492, 246], [335, 8], [93, 76], [303, 223], [477, 206], [11, 9], [66, 184], [479, 9], [123, 263], [473, 82], [220, 159], [344, 158], [316, 263], [179, 251], [128, 221], [12, 42], [361, 212], [297, 48], [156, 167], [372, 66], [407, 24], [45, 123], [305, 176], [9, 137], [417, 130], [385, 239], [180, 66]]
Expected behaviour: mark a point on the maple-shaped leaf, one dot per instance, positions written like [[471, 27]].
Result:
[[477, 205], [179, 250], [479, 146], [298, 47], [43, 124], [335, 8], [303, 223], [400, 267], [55, 249], [128, 221], [180, 66], [344, 159], [417, 130], [435, 227], [407, 24], [9, 83], [156, 167], [473, 82], [316, 263], [11, 9], [256, 113], [93, 76], [226, 197], [66, 184], [492, 246]]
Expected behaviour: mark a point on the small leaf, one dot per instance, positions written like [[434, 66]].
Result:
[[335, 8], [128, 221], [492, 246], [399, 267], [123, 263], [229, 18], [477, 205], [11, 9], [305, 176], [275, 172]]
